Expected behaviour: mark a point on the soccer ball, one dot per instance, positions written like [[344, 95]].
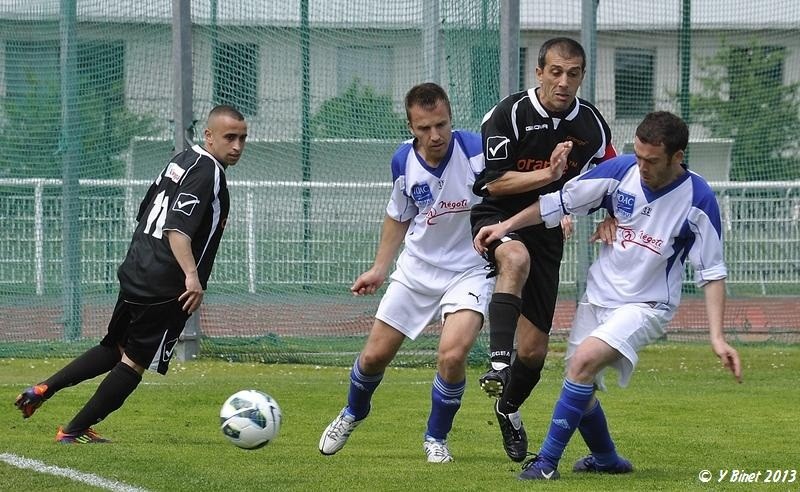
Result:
[[250, 419]]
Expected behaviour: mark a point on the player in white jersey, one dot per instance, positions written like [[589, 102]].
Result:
[[666, 214], [438, 273]]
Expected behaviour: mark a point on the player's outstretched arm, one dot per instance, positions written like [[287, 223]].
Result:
[[714, 292], [392, 234], [514, 182], [528, 216]]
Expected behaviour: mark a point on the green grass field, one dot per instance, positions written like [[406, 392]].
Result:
[[681, 414]]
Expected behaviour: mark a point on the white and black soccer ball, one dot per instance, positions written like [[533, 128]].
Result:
[[250, 419]]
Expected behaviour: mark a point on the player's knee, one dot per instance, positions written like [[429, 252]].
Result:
[[582, 368], [532, 355], [535, 362], [373, 362], [451, 362], [513, 260]]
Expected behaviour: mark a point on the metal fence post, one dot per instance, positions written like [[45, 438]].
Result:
[[509, 47], [583, 227], [189, 342], [70, 147]]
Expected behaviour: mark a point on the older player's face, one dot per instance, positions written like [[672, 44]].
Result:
[[225, 138], [431, 127], [656, 168], [559, 81]]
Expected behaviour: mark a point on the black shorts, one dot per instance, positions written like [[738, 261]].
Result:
[[147, 330], [545, 248]]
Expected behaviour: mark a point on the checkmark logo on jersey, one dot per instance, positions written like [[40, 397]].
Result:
[[497, 148], [185, 203]]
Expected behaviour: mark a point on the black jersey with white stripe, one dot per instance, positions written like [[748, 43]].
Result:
[[519, 134], [190, 196]]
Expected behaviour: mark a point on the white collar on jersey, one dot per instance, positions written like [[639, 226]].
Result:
[[546, 114], [201, 150]]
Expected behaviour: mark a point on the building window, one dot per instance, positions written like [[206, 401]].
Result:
[[366, 67], [633, 82], [235, 69], [523, 64]]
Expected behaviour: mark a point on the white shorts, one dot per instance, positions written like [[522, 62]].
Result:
[[419, 291], [627, 329]]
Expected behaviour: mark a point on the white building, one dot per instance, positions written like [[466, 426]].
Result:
[[250, 51]]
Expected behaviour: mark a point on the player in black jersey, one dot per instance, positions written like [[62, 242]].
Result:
[[162, 279], [523, 137]]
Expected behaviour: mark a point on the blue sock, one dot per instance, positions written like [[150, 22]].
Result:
[[362, 386], [594, 429], [445, 402], [566, 416]]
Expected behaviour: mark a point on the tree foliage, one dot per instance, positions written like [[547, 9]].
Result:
[[31, 136], [743, 98], [359, 112]]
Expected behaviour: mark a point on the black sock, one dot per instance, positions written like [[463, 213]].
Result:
[[521, 382], [503, 315], [110, 395], [94, 362]]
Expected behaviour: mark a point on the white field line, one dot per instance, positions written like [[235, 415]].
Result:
[[87, 478]]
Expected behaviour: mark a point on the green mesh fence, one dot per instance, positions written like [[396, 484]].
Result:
[[87, 119]]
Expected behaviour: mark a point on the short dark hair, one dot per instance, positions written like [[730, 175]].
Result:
[[663, 127], [567, 47], [226, 110], [426, 95]]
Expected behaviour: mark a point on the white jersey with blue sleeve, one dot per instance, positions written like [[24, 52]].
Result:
[[657, 232], [438, 201]]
